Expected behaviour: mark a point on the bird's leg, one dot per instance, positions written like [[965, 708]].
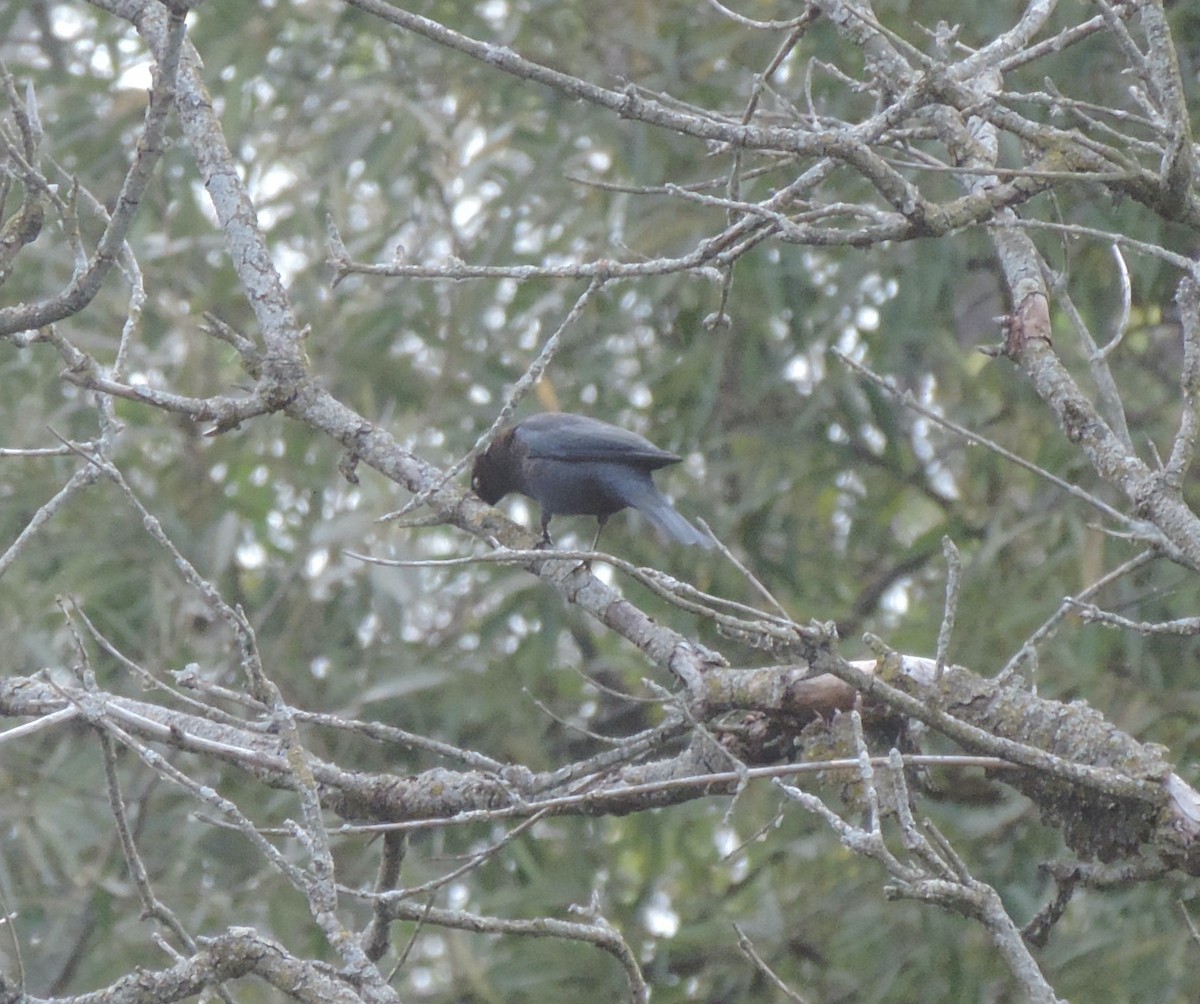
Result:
[[546, 541], [599, 529]]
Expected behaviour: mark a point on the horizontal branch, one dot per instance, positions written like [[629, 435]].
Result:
[[1130, 786], [236, 953]]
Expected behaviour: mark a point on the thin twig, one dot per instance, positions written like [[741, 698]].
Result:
[[950, 609], [529, 378], [910, 402]]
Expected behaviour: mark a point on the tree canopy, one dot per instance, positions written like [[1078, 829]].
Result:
[[290, 714]]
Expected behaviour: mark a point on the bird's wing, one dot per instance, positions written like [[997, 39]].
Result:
[[577, 438]]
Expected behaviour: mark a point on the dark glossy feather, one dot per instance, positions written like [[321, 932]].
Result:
[[578, 466], [577, 438]]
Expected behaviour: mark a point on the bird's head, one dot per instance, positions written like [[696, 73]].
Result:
[[494, 473]]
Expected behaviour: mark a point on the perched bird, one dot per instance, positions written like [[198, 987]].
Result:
[[572, 465]]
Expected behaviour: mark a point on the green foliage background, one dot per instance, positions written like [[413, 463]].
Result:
[[833, 495]]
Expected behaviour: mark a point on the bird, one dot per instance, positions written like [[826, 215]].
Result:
[[574, 465]]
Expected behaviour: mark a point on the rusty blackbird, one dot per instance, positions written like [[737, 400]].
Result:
[[573, 465]]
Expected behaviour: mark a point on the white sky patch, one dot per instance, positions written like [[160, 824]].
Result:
[[659, 918], [873, 436], [289, 262], [368, 630], [495, 12], [599, 161], [726, 840], [251, 555], [316, 563], [136, 76], [473, 146], [895, 599], [867, 319], [204, 203], [799, 372], [465, 210]]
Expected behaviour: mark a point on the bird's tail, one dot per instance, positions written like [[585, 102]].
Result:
[[667, 520]]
